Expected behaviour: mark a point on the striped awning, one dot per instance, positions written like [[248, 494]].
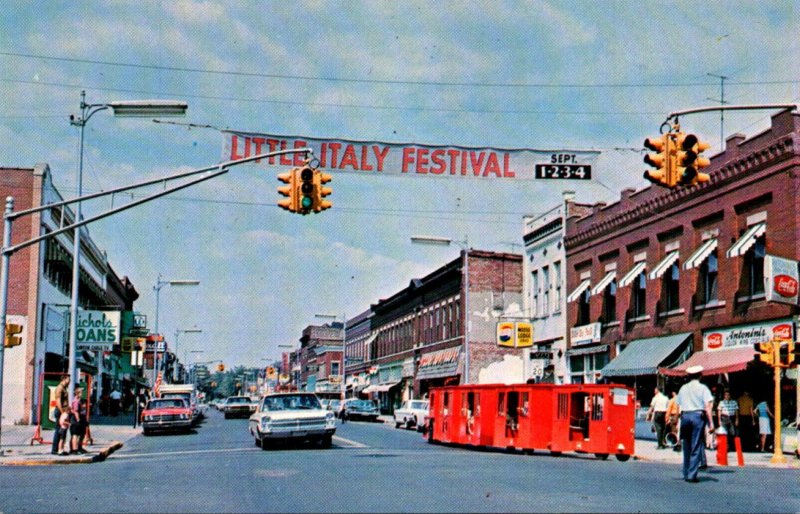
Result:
[[439, 357], [632, 274], [701, 254], [611, 275], [645, 356], [583, 286], [664, 265], [586, 350], [746, 241]]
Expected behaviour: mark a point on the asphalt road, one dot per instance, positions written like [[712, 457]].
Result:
[[374, 467]]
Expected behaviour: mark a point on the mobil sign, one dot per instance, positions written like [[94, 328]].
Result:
[[747, 335], [780, 280]]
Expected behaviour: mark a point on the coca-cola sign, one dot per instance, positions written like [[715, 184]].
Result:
[[747, 335], [781, 280]]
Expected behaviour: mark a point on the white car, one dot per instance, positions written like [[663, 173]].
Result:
[[411, 414], [291, 416]]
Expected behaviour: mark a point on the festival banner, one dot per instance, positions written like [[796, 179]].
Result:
[[411, 159]]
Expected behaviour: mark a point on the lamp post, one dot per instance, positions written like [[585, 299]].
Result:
[[344, 349], [179, 331], [442, 241], [124, 108], [157, 288]]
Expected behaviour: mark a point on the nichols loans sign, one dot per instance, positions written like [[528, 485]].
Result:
[[97, 330]]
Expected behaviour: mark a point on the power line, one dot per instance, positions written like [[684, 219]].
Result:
[[210, 71]]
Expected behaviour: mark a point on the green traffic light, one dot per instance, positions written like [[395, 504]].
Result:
[[306, 202]]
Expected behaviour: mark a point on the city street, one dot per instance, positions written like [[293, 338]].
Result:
[[374, 467]]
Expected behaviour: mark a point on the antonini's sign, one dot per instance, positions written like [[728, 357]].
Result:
[[411, 159], [97, 330], [745, 336]]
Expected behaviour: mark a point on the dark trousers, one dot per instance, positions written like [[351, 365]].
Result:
[[693, 427], [660, 422], [726, 422], [58, 434]]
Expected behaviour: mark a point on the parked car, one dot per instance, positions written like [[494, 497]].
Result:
[[237, 406], [221, 403], [411, 414], [789, 439], [165, 414], [291, 416], [360, 409]]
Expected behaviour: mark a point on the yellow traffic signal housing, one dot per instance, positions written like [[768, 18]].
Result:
[[764, 352], [220, 367], [306, 197], [290, 190], [12, 339], [320, 191], [787, 353], [663, 160], [689, 160]]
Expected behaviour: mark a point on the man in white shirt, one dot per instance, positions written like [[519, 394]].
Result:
[[695, 401], [658, 415]]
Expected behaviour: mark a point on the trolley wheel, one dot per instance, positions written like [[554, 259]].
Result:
[[601, 456], [622, 457]]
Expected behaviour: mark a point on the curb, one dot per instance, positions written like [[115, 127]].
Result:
[[101, 456]]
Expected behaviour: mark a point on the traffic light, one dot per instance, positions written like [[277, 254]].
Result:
[[12, 339], [764, 352], [689, 162], [787, 353], [306, 202], [320, 191], [220, 367], [663, 160], [290, 190]]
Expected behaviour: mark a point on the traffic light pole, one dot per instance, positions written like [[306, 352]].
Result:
[[756, 107], [9, 216]]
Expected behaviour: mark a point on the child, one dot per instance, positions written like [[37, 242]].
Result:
[[63, 425], [78, 424]]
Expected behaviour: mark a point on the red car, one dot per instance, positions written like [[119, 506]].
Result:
[[166, 414]]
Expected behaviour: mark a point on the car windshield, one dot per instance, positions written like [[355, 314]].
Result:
[[419, 405], [364, 404], [291, 402], [239, 399], [166, 404]]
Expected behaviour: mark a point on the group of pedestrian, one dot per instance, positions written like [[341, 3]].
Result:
[[70, 418]]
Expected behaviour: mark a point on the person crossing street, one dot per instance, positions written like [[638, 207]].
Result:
[[694, 400]]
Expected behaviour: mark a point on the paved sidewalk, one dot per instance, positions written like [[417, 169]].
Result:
[[108, 434]]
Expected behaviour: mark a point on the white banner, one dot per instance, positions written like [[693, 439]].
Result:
[[411, 159]]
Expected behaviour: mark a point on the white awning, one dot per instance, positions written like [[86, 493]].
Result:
[[611, 275], [632, 274], [583, 286], [746, 241], [701, 254], [664, 265], [381, 388]]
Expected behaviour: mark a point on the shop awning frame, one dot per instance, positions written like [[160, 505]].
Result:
[[610, 276], [747, 240], [578, 291], [714, 362], [646, 356], [635, 271], [701, 254], [664, 265]]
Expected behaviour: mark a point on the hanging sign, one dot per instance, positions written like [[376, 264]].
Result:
[[781, 280], [97, 330], [411, 159]]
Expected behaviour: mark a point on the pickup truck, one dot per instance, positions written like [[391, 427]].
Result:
[[291, 416], [412, 414]]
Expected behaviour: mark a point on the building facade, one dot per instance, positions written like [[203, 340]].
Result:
[[320, 359], [664, 279]]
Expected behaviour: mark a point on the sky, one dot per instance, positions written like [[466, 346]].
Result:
[[541, 75]]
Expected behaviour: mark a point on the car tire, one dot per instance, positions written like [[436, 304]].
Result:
[[409, 424], [266, 444], [397, 424], [146, 431], [257, 441], [227, 416], [326, 441]]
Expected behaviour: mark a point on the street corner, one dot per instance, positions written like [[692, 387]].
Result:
[[11, 458]]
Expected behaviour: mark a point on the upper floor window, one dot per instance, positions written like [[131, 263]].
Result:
[[754, 267], [639, 295], [708, 278], [545, 290], [610, 302], [583, 308], [671, 288], [557, 286], [535, 293]]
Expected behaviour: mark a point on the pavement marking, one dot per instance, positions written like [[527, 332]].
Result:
[[350, 443], [124, 455]]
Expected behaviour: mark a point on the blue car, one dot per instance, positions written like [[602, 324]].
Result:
[[361, 409]]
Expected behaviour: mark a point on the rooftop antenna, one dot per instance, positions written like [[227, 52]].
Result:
[[721, 101]]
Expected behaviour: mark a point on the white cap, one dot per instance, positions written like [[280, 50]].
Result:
[[694, 370]]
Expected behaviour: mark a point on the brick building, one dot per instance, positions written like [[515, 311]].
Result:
[[40, 282], [664, 279], [320, 359]]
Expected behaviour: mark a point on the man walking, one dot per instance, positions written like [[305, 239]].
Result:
[[61, 398], [658, 415], [728, 416], [694, 400]]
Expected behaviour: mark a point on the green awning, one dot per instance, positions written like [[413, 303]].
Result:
[[645, 356]]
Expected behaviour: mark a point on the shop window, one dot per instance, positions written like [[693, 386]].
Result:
[[708, 278], [639, 294], [583, 308], [610, 302], [671, 288], [754, 268]]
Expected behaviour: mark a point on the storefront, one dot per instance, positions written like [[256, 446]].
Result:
[[438, 368]]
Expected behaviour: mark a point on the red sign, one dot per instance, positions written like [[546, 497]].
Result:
[[785, 286], [714, 341], [782, 331]]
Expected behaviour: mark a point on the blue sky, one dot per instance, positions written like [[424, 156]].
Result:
[[539, 75]]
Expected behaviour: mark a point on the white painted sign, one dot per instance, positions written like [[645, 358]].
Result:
[[97, 330], [747, 335], [585, 334]]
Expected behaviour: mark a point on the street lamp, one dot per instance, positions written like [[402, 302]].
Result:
[[157, 288], [179, 331], [443, 241], [344, 349], [124, 108]]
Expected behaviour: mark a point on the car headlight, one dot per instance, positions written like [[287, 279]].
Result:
[[148, 418], [266, 423]]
